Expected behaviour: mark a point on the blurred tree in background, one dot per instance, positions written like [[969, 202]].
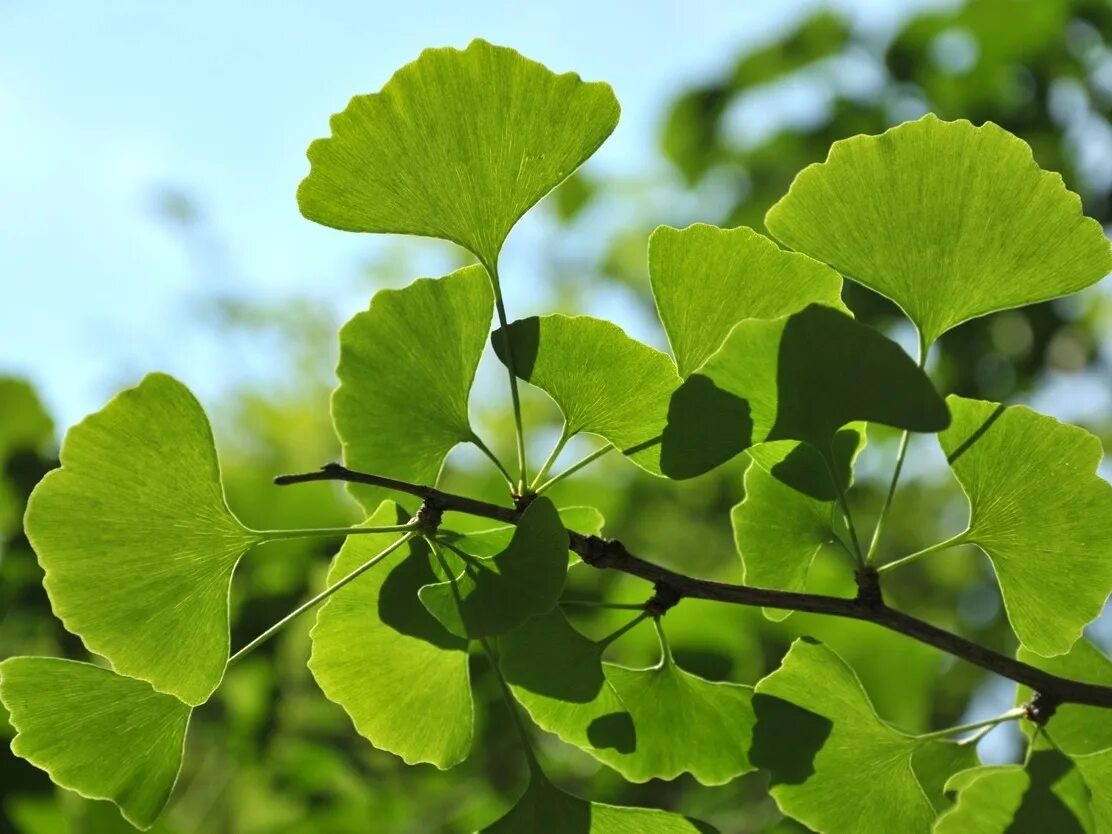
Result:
[[271, 754]]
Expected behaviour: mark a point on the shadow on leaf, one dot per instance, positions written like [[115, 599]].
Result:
[[786, 739]]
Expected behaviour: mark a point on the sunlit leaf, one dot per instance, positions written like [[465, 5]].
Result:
[[1045, 795], [495, 594], [705, 280], [543, 809], [778, 529], [1096, 770], [457, 145], [137, 542], [799, 377], [400, 676], [827, 752], [604, 382], [406, 367], [949, 220], [666, 704], [1040, 512], [629, 719], [95, 732]]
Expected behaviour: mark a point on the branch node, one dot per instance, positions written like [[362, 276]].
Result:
[[1041, 708], [868, 588], [523, 501], [429, 516], [664, 598]]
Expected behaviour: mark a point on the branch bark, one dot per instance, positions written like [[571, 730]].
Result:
[[609, 554]]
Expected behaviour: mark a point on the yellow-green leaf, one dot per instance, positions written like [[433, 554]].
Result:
[[137, 542], [406, 368], [458, 145], [948, 220], [95, 732], [1040, 512], [706, 279]]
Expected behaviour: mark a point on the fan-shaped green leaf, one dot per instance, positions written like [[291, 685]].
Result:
[[1040, 512], [95, 732], [458, 145], [799, 377], [630, 719], [828, 753], [778, 529], [556, 674], [948, 220], [381, 656], [603, 381], [1047, 794], [543, 809], [683, 724], [1096, 770], [137, 542], [406, 367], [494, 595], [705, 280]]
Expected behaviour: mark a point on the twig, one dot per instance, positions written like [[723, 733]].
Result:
[[610, 554]]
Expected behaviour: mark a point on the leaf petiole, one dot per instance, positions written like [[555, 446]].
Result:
[[613, 606], [989, 723], [321, 597], [559, 447], [323, 532], [614, 635], [665, 648], [476, 441], [901, 453], [507, 345], [575, 467], [953, 541]]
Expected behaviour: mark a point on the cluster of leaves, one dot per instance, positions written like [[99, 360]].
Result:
[[1042, 77], [948, 220]]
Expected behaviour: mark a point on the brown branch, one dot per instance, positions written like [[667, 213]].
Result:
[[868, 606]]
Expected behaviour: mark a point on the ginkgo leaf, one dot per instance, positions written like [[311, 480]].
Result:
[[827, 752], [1039, 511], [100, 734], [493, 595], [948, 220], [714, 720], [799, 377], [706, 279], [406, 368], [400, 676], [137, 542], [1096, 770], [1047, 794], [543, 809], [604, 382], [458, 145], [556, 674], [628, 719], [778, 529]]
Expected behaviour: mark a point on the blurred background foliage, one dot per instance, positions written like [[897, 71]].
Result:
[[271, 754]]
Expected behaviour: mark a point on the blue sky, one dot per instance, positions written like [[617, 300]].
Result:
[[104, 104]]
